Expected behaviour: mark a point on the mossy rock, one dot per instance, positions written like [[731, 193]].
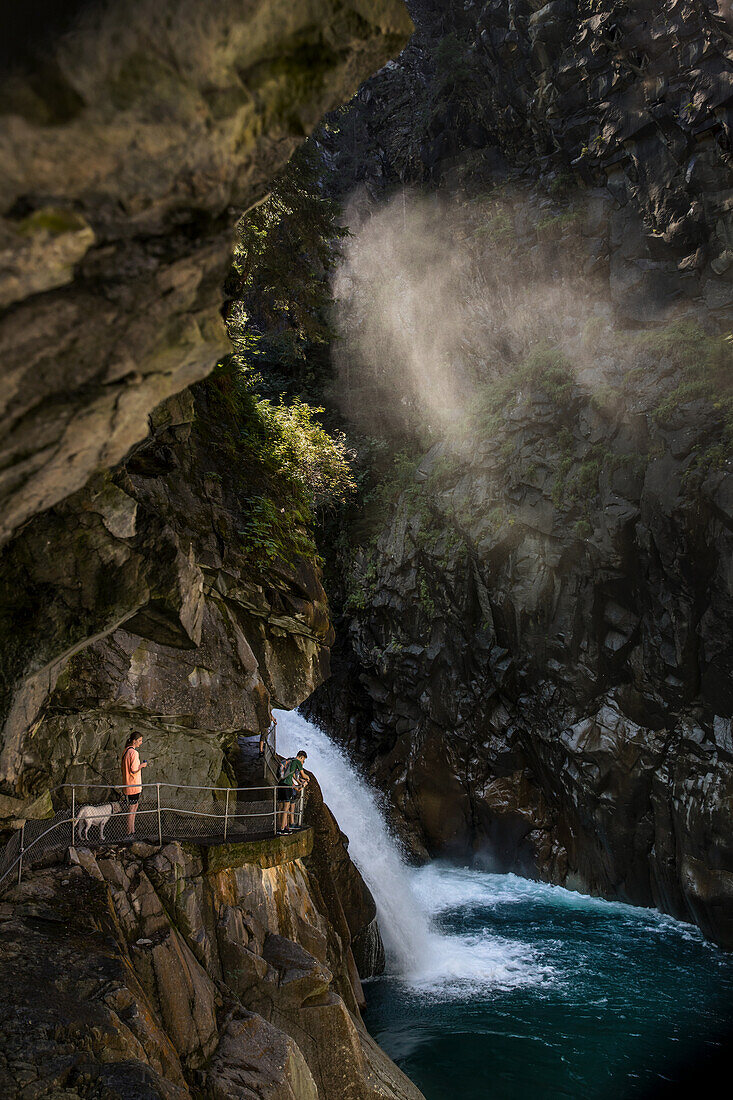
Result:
[[54, 220], [270, 852]]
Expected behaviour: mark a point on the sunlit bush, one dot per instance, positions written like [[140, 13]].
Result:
[[305, 452]]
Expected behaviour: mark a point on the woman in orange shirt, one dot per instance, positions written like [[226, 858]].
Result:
[[131, 768]]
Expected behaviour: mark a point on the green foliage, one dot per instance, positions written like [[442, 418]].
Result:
[[425, 596], [286, 249], [686, 344], [273, 532], [558, 486], [577, 484], [444, 469], [561, 185], [705, 363], [390, 482], [278, 461], [605, 397], [360, 585], [305, 453], [287, 465], [592, 331], [554, 225], [456, 79], [704, 366], [498, 226]]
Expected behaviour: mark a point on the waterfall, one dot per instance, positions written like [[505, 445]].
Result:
[[413, 902], [403, 922]]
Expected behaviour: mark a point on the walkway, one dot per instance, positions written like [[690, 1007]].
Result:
[[95, 816]]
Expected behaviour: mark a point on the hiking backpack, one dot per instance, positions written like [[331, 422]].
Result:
[[283, 767]]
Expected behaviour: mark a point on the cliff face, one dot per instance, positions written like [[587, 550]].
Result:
[[180, 972], [133, 136], [537, 643], [632, 100], [209, 640], [130, 144], [543, 658]]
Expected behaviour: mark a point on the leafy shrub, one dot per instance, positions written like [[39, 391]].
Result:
[[277, 460], [705, 363], [286, 249], [269, 530], [304, 451]]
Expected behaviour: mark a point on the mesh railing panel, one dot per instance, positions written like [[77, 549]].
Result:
[[164, 812]]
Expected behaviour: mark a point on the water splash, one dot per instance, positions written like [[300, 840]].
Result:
[[375, 851], [408, 899]]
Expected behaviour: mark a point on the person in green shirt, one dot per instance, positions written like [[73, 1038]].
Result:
[[293, 780]]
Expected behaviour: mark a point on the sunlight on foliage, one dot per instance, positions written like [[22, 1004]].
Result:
[[305, 452]]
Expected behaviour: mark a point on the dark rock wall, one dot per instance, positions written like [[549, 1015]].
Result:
[[537, 651], [150, 973], [635, 100], [132, 136], [209, 641]]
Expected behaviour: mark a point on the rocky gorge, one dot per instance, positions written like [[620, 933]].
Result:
[[139, 586], [535, 648], [180, 972], [513, 293]]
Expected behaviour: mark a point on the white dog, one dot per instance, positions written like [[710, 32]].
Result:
[[95, 815]]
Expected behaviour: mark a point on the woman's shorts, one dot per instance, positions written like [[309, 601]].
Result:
[[133, 799], [287, 794]]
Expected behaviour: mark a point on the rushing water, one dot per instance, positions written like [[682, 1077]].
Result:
[[504, 988]]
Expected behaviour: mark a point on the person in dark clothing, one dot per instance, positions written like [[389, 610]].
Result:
[[292, 782]]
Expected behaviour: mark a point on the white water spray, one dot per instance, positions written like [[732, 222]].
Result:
[[408, 900], [403, 923]]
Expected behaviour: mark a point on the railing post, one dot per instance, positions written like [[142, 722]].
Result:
[[160, 824], [274, 811], [73, 815], [226, 814], [22, 849]]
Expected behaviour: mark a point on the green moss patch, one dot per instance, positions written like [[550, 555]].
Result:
[[269, 852], [55, 220], [545, 368]]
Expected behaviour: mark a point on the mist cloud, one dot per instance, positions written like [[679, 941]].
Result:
[[434, 300]]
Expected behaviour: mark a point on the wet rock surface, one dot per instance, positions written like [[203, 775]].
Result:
[[536, 646], [143, 974]]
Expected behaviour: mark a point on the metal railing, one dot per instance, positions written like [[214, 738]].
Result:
[[271, 760], [94, 815], [272, 769]]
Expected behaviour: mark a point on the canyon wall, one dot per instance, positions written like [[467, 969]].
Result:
[[173, 972], [537, 640], [133, 136], [135, 593]]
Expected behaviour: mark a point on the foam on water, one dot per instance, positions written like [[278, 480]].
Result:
[[499, 986]]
